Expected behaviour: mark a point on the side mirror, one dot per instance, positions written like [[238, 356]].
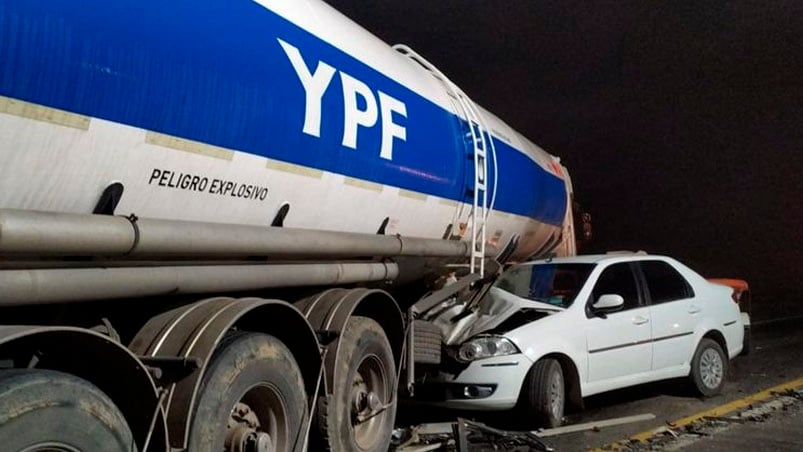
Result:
[[608, 303]]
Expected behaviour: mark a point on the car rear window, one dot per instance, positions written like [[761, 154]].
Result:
[[665, 284]]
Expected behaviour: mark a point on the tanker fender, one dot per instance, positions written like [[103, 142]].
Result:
[[329, 312], [192, 332], [100, 360]]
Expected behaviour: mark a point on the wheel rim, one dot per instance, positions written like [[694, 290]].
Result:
[[50, 447], [711, 368], [556, 395], [258, 422], [368, 393]]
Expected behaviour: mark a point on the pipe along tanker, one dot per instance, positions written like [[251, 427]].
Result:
[[222, 220]]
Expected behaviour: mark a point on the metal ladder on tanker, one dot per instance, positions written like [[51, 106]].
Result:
[[481, 142]]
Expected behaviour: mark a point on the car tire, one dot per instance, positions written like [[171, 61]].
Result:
[[543, 398], [708, 368]]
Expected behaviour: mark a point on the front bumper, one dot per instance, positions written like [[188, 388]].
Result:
[[486, 384]]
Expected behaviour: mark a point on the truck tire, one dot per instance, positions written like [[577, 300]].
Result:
[[252, 395], [366, 366], [543, 397], [708, 368], [54, 411]]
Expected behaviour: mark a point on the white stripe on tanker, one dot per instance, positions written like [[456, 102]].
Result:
[[66, 168]]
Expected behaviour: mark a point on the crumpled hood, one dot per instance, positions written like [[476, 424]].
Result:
[[497, 307]]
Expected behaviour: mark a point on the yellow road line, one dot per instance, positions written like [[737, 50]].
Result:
[[713, 412]]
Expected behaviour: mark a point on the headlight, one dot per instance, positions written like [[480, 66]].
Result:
[[486, 347]]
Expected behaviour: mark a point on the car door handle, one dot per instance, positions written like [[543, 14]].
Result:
[[639, 320], [694, 309]]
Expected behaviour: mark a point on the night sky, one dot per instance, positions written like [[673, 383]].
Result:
[[681, 122]]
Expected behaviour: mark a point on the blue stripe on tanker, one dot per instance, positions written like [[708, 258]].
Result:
[[213, 71]]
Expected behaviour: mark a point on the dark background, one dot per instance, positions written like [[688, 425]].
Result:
[[681, 122]]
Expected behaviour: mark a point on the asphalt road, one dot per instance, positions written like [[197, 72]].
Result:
[[776, 358]]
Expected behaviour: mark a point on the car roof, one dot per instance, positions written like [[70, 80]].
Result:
[[599, 258]]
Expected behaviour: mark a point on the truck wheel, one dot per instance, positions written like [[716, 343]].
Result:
[[45, 410], [708, 368], [252, 398], [360, 413], [544, 394]]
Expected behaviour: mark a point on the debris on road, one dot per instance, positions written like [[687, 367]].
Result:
[[464, 435], [596, 425]]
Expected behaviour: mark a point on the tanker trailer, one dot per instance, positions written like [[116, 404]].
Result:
[[212, 214]]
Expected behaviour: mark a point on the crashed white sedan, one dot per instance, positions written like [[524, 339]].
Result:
[[551, 332]]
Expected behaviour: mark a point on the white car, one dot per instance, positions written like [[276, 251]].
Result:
[[553, 331]]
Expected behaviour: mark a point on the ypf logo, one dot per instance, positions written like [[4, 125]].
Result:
[[316, 83]]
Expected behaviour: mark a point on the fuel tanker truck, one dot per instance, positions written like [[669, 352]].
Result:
[[222, 220]]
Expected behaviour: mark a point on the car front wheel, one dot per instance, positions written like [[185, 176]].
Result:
[[544, 394], [708, 368]]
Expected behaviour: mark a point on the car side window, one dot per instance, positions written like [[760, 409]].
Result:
[[617, 279], [664, 283]]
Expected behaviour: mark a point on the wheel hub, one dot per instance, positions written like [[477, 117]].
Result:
[[711, 368], [242, 433], [359, 394], [556, 395], [367, 408], [364, 402]]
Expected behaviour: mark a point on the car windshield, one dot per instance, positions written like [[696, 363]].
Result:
[[556, 284]]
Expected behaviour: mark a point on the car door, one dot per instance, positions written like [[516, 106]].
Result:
[[674, 312], [619, 342]]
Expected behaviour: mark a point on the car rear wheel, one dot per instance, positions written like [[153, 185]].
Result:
[[544, 394], [708, 368]]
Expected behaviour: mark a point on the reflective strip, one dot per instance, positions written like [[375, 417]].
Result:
[[294, 169], [412, 195], [45, 114], [191, 146], [362, 184]]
